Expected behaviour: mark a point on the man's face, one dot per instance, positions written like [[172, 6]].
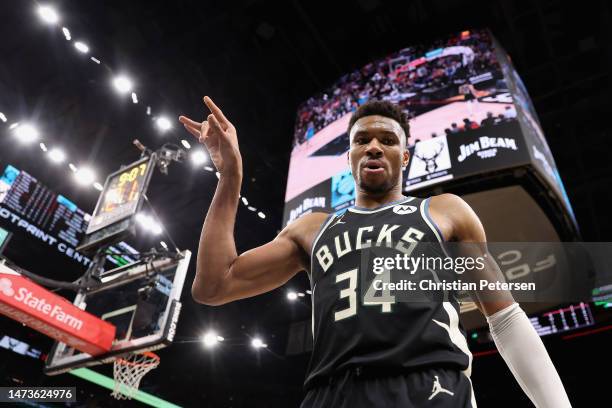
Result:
[[377, 154]]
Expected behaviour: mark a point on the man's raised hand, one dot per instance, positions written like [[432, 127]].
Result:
[[219, 136]]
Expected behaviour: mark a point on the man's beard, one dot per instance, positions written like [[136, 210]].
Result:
[[377, 189]]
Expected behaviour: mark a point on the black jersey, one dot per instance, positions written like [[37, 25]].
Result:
[[466, 92], [370, 331]]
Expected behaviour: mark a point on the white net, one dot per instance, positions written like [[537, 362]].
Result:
[[128, 371]]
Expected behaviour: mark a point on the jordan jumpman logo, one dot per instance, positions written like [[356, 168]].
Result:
[[437, 388]]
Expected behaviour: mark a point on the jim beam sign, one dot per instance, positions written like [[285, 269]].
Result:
[[486, 147]]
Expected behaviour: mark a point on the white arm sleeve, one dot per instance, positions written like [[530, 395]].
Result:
[[524, 353]]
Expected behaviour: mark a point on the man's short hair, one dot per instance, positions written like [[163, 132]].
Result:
[[381, 108]]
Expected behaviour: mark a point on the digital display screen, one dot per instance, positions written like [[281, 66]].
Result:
[[463, 121], [19, 347], [52, 213], [564, 319], [602, 296], [121, 195], [4, 236], [534, 136], [46, 225]]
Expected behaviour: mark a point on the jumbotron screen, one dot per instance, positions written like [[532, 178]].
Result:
[[462, 119]]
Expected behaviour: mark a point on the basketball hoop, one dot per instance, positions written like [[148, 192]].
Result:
[[128, 371]]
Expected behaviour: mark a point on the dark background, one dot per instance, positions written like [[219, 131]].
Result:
[[259, 60]]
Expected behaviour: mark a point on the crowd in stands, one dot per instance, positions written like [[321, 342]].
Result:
[[490, 120], [393, 79]]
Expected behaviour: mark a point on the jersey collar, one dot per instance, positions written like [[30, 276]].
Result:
[[362, 210]]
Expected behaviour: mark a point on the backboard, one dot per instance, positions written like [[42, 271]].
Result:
[[142, 301]]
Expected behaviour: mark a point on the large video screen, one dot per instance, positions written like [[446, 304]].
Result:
[[536, 142], [462, 119], [46, 226]]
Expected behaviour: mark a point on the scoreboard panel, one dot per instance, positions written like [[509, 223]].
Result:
[[121, 195], [43, 224], [53, 213]]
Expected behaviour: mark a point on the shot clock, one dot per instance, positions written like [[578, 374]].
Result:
[[118, 203]]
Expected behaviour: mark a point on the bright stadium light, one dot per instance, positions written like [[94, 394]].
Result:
[[198, 158], [13, 125], [48, 14], [257, 343], [81, 47], [261, 215], [245, 201], [300, 294], [164, 245], [26, 133], [56, 155], [134, 97], [98, 186], [142, 218], [85, 176], [186, 144], [156, 228], [73, 168], [43, 147], [309, 292], [148, 223], [211, 339], [163, 123], [66, 33], [251, 208], [122, 84], [3, 117], [292, 296]]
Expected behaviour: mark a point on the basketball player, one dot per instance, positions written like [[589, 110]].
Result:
[[367, 352], [470, 95]]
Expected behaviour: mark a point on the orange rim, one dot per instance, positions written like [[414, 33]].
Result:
[[145, 353]]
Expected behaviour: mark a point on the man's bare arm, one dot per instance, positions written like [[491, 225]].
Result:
[[459, 223], [261, 269], [513, 334], [222, 275]]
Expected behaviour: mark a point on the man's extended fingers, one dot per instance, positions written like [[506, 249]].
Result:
[[198, 130], [204, 129], [195, 132], [214, 109], [214, 123], [185, 120]]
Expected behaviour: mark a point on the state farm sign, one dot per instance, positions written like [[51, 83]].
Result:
[[33, 305], [27, 298]]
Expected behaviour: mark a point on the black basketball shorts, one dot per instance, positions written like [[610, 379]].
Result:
[[429, 388]]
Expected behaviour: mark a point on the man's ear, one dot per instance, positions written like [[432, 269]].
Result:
[[406, 159], [348, 161]]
